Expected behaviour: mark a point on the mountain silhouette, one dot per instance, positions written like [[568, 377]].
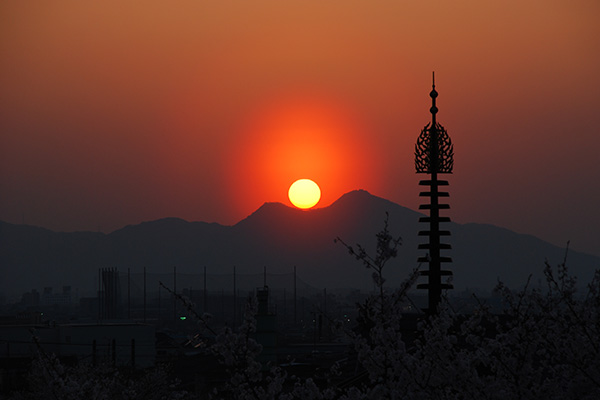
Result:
[[278, 237]]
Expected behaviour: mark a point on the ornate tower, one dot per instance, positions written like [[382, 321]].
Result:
[[434, 154]]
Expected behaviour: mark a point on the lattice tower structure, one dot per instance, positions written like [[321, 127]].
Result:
[[434, 155]]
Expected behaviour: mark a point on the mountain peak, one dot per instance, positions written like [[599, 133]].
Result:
[[269, 210], [277, 211], [361, 199], [355, 196]]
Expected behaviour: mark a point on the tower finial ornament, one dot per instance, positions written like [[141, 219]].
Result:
[[434, 151], [434, 154], [433, 95]]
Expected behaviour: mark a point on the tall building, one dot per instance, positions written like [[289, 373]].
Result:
[[109, 294], [434, 155]]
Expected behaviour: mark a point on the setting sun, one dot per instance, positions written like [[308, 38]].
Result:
[[304, 193]]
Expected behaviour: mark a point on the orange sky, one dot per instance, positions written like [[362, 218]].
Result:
[[113, 113]]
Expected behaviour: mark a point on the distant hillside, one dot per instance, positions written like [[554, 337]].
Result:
[[278, 237]]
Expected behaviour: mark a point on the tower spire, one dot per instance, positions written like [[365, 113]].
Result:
[[433, 94], [434, 154]]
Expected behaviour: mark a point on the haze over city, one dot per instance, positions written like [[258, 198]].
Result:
[[112, 113]]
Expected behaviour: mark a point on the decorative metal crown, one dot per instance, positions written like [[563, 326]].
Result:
[[434, 151], [434, 155]]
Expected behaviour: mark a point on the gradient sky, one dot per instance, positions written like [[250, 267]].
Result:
[[118, 112]]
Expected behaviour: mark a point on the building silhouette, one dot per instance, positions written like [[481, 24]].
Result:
[[109, 294]]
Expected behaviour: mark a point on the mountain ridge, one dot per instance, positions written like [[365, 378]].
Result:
[[279, 237]]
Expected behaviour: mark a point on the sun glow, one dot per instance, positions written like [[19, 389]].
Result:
[[304, 193], [292, 136]]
